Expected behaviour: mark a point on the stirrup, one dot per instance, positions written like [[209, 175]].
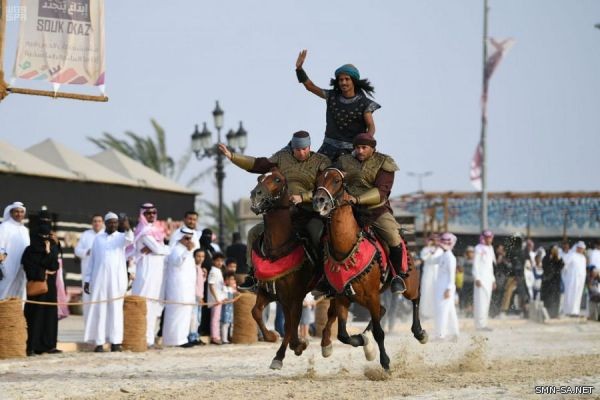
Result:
[[397, 286]]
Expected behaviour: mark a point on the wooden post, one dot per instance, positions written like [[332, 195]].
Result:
[[62, 95]]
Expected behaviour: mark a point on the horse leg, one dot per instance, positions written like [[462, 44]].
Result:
[[326, 345], [277, 362], [419, 333], [262, 300], [296, 344], [370, 325], [342, 304], [375, 309]]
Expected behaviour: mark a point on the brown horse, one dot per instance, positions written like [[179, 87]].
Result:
[[332, 201], [270, 198]]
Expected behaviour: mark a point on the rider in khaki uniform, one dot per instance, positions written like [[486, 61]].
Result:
[[300, 166], [369, 179]]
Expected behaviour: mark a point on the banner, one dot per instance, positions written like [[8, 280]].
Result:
[[61, 41], [500, 49], [476, 162]]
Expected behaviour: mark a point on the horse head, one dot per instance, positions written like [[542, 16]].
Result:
[[330, 191], [269, 192]]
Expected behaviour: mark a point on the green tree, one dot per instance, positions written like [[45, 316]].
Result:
[[152, 152], [230, 220]]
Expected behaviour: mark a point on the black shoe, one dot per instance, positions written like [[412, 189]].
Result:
[[116, 347], [99, 349], [249, 284], [54, 351], [397, 286], [188, 345]]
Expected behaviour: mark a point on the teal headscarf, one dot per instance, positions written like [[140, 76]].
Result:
[[349, 70]]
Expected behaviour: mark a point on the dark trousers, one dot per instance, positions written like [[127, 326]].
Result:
[[42, 321]]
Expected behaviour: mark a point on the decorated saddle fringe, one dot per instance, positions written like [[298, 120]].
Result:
[[358, 262]]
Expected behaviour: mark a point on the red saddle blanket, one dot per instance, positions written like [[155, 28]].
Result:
[[270, 270], [341, 273]]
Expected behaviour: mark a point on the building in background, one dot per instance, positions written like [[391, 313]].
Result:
[[74, 187]]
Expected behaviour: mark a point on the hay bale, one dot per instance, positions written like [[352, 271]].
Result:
[[244, 326], [134, 329], [13, 329], [321, 319]]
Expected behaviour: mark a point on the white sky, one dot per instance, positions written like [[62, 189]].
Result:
[[172, 62]]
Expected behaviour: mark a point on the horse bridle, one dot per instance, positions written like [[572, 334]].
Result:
[[268, 202], [335, 201]]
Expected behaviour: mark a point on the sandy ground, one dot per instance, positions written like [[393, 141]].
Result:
[[505, 363]]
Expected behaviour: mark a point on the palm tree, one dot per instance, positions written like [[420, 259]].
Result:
[[230, 219], [152, 152]]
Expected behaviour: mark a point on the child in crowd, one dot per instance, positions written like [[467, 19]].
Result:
[[201, 273], [227, 310], [230, 265], [308, 315], [216, 295]]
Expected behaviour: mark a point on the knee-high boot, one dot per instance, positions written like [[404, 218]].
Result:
[[397, 285]]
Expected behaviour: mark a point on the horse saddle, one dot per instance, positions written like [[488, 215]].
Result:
[[340, 273], [270, 268]]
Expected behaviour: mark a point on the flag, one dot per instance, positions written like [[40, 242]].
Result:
[[62, 42], [475, 174], [500, 48]]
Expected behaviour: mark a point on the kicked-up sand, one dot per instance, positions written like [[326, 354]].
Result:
[[508, 362]]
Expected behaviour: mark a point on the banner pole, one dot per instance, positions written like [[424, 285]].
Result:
[[3, 84], [62, 95]]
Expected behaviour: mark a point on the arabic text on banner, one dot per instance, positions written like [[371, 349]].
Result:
[[61, 41]]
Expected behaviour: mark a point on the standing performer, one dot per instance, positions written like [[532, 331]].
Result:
[[300, 166], [446, 322], [349, 110], [150, 266], [485, 281], [105, 279], [573, 275], [430, 255], [83, 250], [180, 286], [14, 238]]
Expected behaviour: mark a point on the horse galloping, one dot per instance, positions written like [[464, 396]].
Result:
[[284, 268], [361, 262]]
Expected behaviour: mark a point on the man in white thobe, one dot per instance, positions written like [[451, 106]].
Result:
[[446, 321], [485, 282], [430, 255], [150, 267], [180, 286], [573, 275], [190, 221], [83, 249], [14, 238], [106, 278]]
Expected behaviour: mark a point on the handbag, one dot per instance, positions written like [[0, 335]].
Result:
[[36, 288]]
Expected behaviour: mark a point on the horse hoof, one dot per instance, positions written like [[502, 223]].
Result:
[[270, 337], [300, 348], [327, 351], [424, 338], [368, 346], [276, 364]]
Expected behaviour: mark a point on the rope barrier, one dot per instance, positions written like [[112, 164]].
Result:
[[83, 303]]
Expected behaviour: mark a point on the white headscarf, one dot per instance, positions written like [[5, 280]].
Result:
[[9, 208]]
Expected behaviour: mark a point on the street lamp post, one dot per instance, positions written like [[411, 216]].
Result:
[[203, 147], [420, 176]]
